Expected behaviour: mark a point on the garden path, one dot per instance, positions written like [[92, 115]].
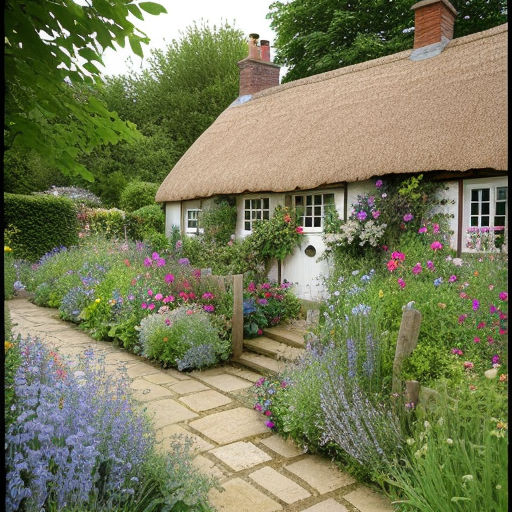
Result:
[[258, 470]]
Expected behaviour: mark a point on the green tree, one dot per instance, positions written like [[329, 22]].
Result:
[[51, 47], [314, 36]]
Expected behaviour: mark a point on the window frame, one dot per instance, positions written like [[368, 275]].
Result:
[[195, 229], [262, 210], [314, 205]]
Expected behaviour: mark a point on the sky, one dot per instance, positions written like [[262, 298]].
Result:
[[246, 15]]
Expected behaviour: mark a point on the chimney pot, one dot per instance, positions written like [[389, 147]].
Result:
[[265, 50], [254, 50], [433, 22]]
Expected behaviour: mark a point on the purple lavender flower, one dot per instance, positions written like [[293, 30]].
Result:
[[184, 261]]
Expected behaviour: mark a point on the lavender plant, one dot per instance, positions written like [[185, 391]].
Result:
[[74, 302]]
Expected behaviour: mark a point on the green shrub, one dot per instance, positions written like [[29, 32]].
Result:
[[138, 194], [9, 274], [43, 222], [219, 222], [184, 338], [146, 221], [100, 221], [11, 362]]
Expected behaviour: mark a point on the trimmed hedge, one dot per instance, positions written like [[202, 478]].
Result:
[[44, 222], [147, 220], [138, 194]]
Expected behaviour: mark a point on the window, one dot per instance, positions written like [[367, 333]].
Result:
[[488, 207], [254, 210], [312, 207], [193, 220]]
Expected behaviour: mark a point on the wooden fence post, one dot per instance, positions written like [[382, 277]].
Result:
[[237, 329], [405, 344], [412, 391]]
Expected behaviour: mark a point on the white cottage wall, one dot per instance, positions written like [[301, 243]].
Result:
[[172, 216]]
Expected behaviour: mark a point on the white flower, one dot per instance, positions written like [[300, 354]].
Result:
[[467, 478], [449, 441], [426, 424], [410, 441]]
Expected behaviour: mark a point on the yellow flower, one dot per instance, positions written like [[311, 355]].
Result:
[[502, 425], [7, 345], [442, 305], [97, 301], [381, 294], [7, 248]]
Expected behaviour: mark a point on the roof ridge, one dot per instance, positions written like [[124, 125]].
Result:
[[380, 61]]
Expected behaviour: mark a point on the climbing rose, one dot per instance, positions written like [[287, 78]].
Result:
[[299, 229]]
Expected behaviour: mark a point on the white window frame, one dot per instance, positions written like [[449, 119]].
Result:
[[253, 211], [314, 211], [195, 229], [478, 184]]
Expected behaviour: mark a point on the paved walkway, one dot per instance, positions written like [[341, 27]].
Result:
[[259, 471]]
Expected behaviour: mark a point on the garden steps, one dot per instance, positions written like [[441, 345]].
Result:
[[272, 348], [294, 338], [259, 362]]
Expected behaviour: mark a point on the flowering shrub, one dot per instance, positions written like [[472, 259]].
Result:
[[183, 337], [78, 441], [486, 239], [9, 273], [265, 390], [74, 302]]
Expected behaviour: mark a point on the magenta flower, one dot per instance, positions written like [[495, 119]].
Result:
[[376, 214], [265, 286], [151, 307], [476, 339], [504, 296], [147, 262], [408, 217], [490, 340], [169, 278], [476, 304], [284, 384], [263, 302], [150, 292], [270, 424], [260, 332], [430, 265], [417, 269], [268, 413], [169, 298], [155, 256], [398, 255], [468, 365], [361, 215], [480, 325], [159, 296], [457, 351], [160, 262], [143, 305], [259, 382], [452, 279], [435, 228], [436, 246], [401, 282], [495, 359], [492, 309], [258, 407], [209, 308], [462, 318], [423, 229], [167, 322], [207, 295], [378, 183], [184, 261], [251, 287], [178, 245]]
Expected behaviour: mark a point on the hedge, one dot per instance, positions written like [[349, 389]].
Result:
[[42, 223], [138, 194]]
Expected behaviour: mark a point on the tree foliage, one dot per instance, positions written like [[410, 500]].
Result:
[[314, 36], [51, 48]]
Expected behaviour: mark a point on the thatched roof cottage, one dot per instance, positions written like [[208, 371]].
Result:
[[439, 108]]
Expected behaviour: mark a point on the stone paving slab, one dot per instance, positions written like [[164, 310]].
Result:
[[367, 500], [169, 411], [320, 474], [243, 373], [208, 467], [240, 455], [141, 369], [205, 400], [239, 496], [329, 505], [198, 443], [229, 426], [161, 378], [145, 391], [285, 448], [225, 382], [279, 485], [188, 386]]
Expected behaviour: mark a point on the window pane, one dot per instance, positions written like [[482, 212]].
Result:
[[474, 221], [499, 221], [485, 194], [253, 214], [258, 204], [500, 208], [474, 195], [247, 204], [265, 203], [485, 208], [309, 199], [248, 226], [318, 199], [474, 208], [265, 214], [299, 200], [317, 222], [247, 214], [309, 210], [258, 215], [485, 221], [501, 193], [318, 211], [328, 198], [307, 222]]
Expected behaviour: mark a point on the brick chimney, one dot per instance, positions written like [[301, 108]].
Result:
[[433, 27], [256, 70]]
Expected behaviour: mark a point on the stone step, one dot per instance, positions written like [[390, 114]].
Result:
[[284, 335], [260, 363], [272, 348]]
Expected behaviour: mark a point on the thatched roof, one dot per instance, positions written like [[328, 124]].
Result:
[[388, 115]]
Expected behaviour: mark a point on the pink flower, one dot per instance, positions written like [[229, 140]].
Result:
[[435, 228], [265, 286], [495, 359], [150, 292], [207, 295], [463, 295], [452, 279], [476, 339], [408, 217], [268, 413], [191, 295], [398, 255], [361, 215], [143, 305], [209, 308], [468, 365], [258, 407], [378, 183], [151, 307], [385, 248], [299, 229], [503, 331], [436, 246], [481, 325], [251, 287], [430, 265], [457, 351], [155, 256], [462, 318], [284, 384], [147, 262], [490, 340], [169, 298], [184, 295], [376, 214], [392, 265], [401, 282], [476, 304], [160, 262], [260, 332], [504, 296], [167, 321], [423, 229], [159, 296], [189, 312], [169, 278], [417, 268], [270, 424]]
